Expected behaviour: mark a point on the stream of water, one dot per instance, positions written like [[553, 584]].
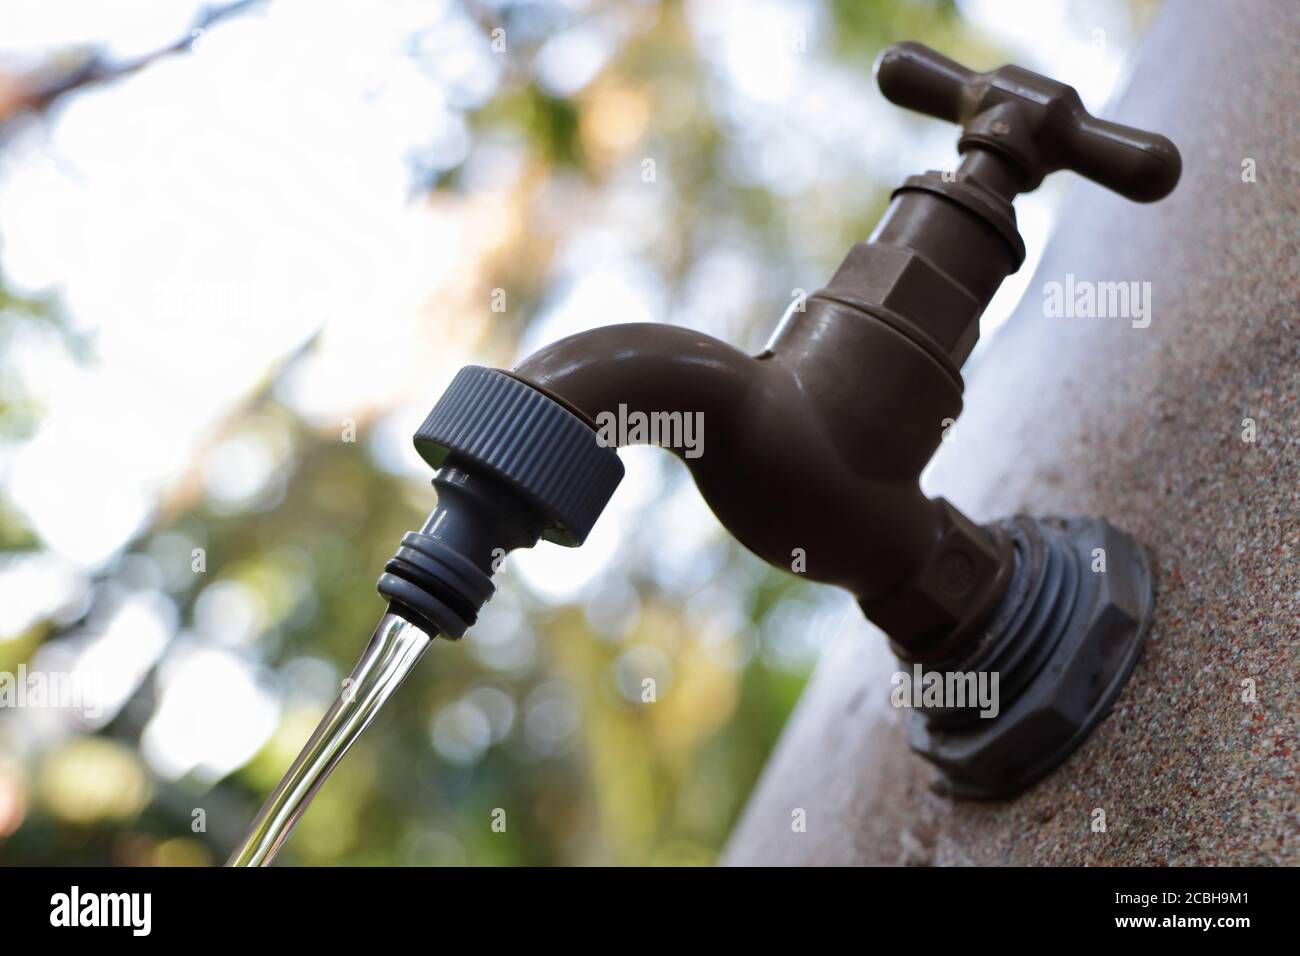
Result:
[[394, 649]]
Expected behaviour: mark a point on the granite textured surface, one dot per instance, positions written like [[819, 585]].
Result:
[[1142, 426]]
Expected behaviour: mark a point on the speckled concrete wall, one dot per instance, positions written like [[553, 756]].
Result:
[[1144, 427]]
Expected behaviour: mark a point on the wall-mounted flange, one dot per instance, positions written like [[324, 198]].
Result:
[[1063, 644]]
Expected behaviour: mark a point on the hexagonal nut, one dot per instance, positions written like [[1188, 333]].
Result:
[[911, 287], [926, 615], [1072, 693]]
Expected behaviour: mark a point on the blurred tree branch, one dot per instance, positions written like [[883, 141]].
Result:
[[34, 92]]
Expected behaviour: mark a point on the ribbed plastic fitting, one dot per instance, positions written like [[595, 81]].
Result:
[[550, 456], [514, 466]]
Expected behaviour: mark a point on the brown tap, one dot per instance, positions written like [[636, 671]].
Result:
[[815, 446]]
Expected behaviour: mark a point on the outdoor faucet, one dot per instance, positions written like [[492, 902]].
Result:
[[815, 446]]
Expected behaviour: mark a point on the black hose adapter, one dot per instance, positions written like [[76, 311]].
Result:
[[514, 467]]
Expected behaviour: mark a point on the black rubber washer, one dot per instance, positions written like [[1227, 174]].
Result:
[[1063, 650]]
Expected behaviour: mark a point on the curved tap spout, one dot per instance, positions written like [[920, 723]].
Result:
[[811, 450]]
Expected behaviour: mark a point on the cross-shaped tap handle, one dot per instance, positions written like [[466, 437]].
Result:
[[1037, 124]]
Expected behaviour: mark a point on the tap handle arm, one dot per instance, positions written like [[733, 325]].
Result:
[[1038, 123]]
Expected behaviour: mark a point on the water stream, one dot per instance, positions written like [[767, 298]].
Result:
[[394, 649]]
